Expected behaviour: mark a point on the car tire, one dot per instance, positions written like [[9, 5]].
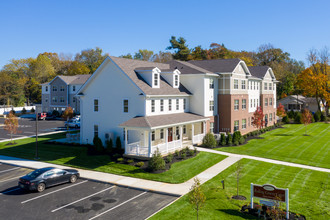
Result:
[[41, 187], [73, 179]]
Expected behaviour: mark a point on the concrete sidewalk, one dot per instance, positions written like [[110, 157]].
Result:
[[265, 160], [174, 189]]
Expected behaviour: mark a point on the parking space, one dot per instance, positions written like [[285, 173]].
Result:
[[27, 127], [84, 199]]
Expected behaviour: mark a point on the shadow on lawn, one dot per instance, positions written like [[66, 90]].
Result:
[[236, 213], [284, 135]]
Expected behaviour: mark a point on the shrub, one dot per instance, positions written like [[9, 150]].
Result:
[[116, 155], [184, 155], [291, 114], [323, 117], [317, 116], [56, 113], [169, 158], [313, 120], [195, 150], [98, 144], [109, 146], [242, 140], [23, 111], [186, 150], [191, 152], [236, 136], [236, 143], [33, 110], [286, 120], [297, 118], [223, 139], [176, 153], [120, 160], [229, 140], [12, 111], [130, 161], [139, 164], [119, 150], [209, 141], [156, 162]]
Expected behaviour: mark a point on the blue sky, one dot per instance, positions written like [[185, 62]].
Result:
[[120, 27]]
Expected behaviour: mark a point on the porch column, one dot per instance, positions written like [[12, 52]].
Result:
[[181, 136], [125, 140], [192, 133], [166, 139], [149, 144], [204, 127]]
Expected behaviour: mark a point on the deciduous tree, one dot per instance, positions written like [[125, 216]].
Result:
[[11, 125], [92, 58], [145, 55], [280, 111], [306, 118], [196, 196], [258, 118]]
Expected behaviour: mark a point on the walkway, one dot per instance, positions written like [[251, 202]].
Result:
[[174, 189], [265, 160]]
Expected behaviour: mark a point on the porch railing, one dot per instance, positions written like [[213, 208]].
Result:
[[137, 149], [165, 148], [197, 138]]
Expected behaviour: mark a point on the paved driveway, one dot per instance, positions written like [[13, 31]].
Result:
[[27, 127], [85, 199]]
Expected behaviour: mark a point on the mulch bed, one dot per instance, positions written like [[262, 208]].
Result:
[[263, 213], [239, 197]]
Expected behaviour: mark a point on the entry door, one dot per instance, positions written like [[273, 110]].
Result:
[[170, 134]]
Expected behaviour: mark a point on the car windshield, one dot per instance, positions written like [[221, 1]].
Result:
[[35, 173]]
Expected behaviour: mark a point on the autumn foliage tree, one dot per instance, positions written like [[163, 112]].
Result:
[[68, 113], [280, 111], [258, 118], [11, 125], [196, 195], [306, 118]]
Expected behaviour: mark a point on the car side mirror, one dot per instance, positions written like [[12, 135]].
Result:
[[64, 173]]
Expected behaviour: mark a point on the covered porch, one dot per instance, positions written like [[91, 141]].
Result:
[[167, 133]]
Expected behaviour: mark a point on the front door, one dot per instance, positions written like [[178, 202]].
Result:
[[170, 134]]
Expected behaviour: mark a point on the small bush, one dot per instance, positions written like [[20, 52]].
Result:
[[297, 118], [313, 120], [223, 139], [116, 155], [236, 143], [184, 155], [323, 117], [119, 149], [33, 110], [120, 160], [317, 116], [242, 140], [291, 114], [98, 144], [56, 113], [130, 161], [186, 150], [229, 140], [176, 153], [109, 146], [169, 158], [23, 111], [156, 162], [191, 152], [236, 136], [286, 120], [209, 141], [139, 164], [195, 150]]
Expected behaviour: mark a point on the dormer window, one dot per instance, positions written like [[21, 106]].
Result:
[[46, 88], [156, 79], [211, 83], [176, 80]]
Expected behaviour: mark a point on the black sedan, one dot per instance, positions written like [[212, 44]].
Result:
[[46, 177]]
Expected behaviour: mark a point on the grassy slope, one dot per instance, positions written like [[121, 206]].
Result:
[[77, 157], [309, 192], [290, 144]]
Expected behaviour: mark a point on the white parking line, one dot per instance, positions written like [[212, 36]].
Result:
[[81, 199], [52, 192], [8, 179], [11, 190], [15, 168], [118, 205]]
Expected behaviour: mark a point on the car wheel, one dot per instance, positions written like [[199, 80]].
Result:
[[41, 187], [73, 178]]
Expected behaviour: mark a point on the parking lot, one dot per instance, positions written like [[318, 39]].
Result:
[[27, 127], [84, 199]]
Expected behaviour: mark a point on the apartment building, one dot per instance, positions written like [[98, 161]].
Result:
[[60, 93]]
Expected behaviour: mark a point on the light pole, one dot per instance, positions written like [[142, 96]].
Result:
[[36, 156]]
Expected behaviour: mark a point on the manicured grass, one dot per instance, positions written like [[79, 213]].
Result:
[[77, 157], [309, 192], [290, 144]]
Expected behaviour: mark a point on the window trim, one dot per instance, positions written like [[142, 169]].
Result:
[[235, 85], [243, 84], [73, 88], [46, 88], [54, 89], [243, 127], [211, 105], [96, 105], [211, 84], [153, 105], [156, 83], [236, 128], [162, 105], [236, 105], [243, 104], [96, 130], [177, 104], [125, 105], [170, 105], [176, 80]]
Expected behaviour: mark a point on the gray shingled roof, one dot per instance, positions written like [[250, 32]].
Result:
[[76, 79], [162, 120], [218, 65], [258, 71], [186, 68], [129, 66]]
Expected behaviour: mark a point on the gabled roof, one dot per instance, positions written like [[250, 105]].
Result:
[[76, 79], [217, 65], [258, 71], [151, 122], [186, 68], [129, 67]]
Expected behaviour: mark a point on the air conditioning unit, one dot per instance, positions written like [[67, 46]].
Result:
[[217, 137]]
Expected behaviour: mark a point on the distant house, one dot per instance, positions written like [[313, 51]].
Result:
[[60, 93], [299, 102]]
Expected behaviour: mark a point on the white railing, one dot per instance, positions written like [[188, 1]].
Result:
[[198, 138], [136, 149], [165, 148]]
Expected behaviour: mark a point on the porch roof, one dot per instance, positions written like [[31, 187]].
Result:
[[159, 121]]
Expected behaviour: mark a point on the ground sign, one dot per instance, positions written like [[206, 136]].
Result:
[[270, 192]]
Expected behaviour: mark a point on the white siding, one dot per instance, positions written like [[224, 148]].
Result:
[[166, 105], [254, 94]]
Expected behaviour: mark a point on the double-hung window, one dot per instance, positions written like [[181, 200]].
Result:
[[54, 99], [161, 133], [235, 83], [96, 130], [236, 125], [61, 99], [244, 123], [211, 83], [153, 135], [176, 80], [125, 105], [170, 104], [243, 84], [152, 105], [62, 88], [270, 101], [236, 104], [155, 79], [162, 105], [270, 117], [265, 86], [270, 86], [54, 88], [46, 88], [73, 88], [177, 104], [184, 129], [96, 105], [211, 105], [266, 101], [243, 103], [184, 104]]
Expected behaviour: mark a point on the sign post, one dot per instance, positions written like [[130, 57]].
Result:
[[270, 192]]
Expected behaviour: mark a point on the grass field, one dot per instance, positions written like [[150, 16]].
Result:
[[77, 157], [290, 144], [309, 192]]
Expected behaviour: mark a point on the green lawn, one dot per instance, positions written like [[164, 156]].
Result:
[[309, 192], [77, 157], [290, 144]]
